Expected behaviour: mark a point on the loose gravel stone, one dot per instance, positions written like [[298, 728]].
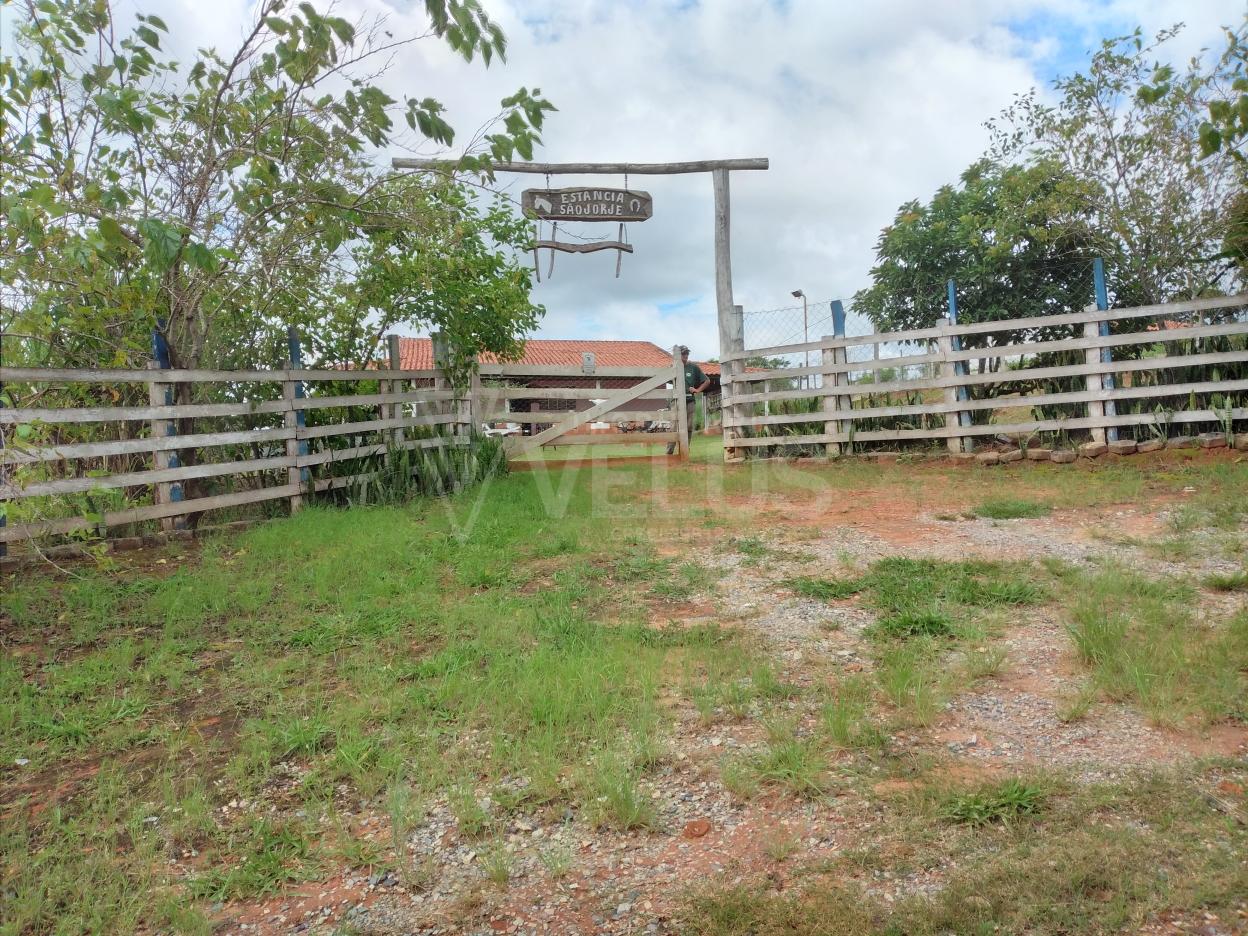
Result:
[[988, 458], [1151, 445], [1062, 457], [1093, 449], [1122, 447], [1182, 442]]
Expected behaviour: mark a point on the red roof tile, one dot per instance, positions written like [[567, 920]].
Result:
[[417, 354]]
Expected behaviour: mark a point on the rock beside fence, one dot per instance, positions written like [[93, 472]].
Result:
[[1207, 440], [1212, 440]]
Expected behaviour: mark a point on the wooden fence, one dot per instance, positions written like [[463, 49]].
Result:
[[1084, 374], [281, 448], [272, 435]]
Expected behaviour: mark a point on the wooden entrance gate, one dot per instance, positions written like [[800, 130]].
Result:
[[652, 399]]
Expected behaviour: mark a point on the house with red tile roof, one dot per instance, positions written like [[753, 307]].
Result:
[[417, 354]]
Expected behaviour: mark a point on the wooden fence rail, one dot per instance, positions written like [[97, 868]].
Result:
[[1196, 354]]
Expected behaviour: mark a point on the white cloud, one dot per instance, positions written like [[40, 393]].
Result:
[[859, 107]]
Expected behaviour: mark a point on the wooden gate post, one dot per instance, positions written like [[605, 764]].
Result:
[[1109, 407], [682, 411], [437, 340], [731, 341], [1096, 409], [959, 393], [395, 410], [295, 419]]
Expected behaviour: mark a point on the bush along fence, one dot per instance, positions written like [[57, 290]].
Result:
[[1047, 387], [90, 452]]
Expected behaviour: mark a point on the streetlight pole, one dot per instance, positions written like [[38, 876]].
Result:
[[798, 294]]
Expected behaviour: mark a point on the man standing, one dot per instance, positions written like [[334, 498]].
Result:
[[695, 382]]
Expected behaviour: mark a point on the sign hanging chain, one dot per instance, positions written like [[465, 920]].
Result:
[[537, 263]]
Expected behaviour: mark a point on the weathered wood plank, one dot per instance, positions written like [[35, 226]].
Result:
[[611, 417], [591, 247], [183, 375], [564, 393], [1047, 425], [614, 438], [1007, 376], [1094, 395], [141, 478], [13, 456], [139, 514], [1016, 350], [375, 425]]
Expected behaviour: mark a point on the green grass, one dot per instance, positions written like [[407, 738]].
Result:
[[398, 653], [1232, 581], [1142, 644], [1011, 509]]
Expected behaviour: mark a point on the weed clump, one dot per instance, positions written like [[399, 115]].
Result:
[[1011, 509], [1003, 802]]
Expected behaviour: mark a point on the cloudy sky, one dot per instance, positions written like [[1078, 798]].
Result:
[[859, 106]]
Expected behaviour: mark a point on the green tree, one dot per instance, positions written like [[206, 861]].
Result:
[[1224, 132], [1129, 130], [1015, 239], [237, 195]]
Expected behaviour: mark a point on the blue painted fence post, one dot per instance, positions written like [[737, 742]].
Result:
[[960, 368], [163, 394], [1102, 329]]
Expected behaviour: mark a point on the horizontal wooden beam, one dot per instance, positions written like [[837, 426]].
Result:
[[591, 247], [1022, 375], [151, 512], [995, 403], [616, 168], [178, 375], [1043, 425], [613, 417], [139, 478], [614, 438]]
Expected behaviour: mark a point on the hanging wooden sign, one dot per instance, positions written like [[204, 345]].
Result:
[[587, 204]]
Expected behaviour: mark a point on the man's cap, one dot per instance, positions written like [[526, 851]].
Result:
[[684, 349]]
